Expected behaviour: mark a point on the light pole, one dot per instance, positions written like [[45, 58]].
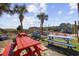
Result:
[[78, 23]]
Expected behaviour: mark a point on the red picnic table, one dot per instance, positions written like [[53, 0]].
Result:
[[23, 43]]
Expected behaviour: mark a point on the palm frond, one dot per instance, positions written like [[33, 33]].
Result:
[[42, 16], [4, 7]]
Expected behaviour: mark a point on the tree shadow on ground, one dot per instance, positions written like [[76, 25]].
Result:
[[65, 51]]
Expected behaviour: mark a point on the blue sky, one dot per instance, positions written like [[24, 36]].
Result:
[[57, 13]]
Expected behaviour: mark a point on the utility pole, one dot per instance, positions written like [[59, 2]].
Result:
[[76, 31], [75, 28], [78, 21]]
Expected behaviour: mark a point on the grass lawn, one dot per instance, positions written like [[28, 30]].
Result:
[[75, 43]]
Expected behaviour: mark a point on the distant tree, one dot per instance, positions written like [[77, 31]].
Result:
[[62, 27], [65, 27], [69, 28], [19, 27]]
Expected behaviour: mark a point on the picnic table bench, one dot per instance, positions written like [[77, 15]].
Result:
[[24, 42], [66, 38]]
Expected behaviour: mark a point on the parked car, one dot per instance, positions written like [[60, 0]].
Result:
[[36, 35], [3, 37], [45, 33]]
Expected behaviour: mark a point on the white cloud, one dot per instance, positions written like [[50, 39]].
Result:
[[8, 16], [15, 20], [37, 8], [67, 17], [73, 6], [59, 12], [31, 8], [9, 26], [71, 12], [15, 15], [30, 20], [43, 7]]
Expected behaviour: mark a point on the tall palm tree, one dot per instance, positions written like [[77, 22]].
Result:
[[21, 10], [42, 17]]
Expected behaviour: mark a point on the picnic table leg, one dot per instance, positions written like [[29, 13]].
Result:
[[14, 44], [30, 52], [11, 52], [37, 50], [17, 53], [13, 47]]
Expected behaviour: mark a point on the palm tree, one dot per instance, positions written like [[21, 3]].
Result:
[[4, 7], [42, 17], [21, 10]]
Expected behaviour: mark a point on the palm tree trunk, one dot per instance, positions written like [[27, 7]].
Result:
[[21, 26], [21, 19], [41, 27]]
